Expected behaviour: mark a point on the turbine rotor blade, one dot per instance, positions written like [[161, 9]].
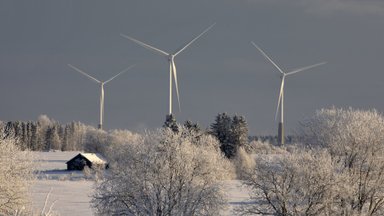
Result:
[[176, 84], [305, 68], [193, 40], [153, 49], [280, 96], [85, 74], [267, 57], [121, 72]]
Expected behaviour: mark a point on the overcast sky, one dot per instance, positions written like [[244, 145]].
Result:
[[221, 72]]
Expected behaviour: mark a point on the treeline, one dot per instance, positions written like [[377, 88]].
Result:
[[46, 134]]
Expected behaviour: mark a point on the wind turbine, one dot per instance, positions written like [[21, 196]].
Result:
[[102, 83], [280, 102], [171, 60]]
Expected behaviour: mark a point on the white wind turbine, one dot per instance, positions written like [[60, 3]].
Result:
[[171, 59], [102, 83], [280, 102]]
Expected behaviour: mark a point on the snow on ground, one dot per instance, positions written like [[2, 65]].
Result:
[[237, 195], [71, 190], [69, 197]]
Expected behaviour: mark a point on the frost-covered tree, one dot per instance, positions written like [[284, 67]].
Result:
[[52, 138], [164, 173], [298, 183], [355, 140], [76, 136], [16, 169], [96, 140], [117, 138]]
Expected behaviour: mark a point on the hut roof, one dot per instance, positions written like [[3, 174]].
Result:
[[92, 157]]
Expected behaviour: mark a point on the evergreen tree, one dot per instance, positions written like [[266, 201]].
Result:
[[221, 129], [170, 122], [231, 133], [239, 132], [195, 127]]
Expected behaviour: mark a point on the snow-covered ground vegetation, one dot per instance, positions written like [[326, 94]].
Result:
[[164, 173], [16, 172]]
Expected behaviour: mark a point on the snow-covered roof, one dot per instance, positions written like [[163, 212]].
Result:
[[94, 158]]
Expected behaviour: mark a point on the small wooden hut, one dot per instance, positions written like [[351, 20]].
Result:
[[86, 159]]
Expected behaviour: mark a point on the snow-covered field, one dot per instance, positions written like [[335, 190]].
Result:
[[71, 191]]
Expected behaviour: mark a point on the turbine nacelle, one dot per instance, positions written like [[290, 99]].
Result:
[[171, 57]]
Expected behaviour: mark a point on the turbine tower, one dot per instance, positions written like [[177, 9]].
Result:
[[280, 102], [102, 83], [171, 60]]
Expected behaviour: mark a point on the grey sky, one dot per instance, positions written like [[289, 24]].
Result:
[[221, 72]]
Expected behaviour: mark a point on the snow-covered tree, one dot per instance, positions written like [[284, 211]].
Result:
[[96, 140], [298, 183], [52, 138], [77, 135], [118, 138], [164, 173], [355, 140], [16, 169]]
